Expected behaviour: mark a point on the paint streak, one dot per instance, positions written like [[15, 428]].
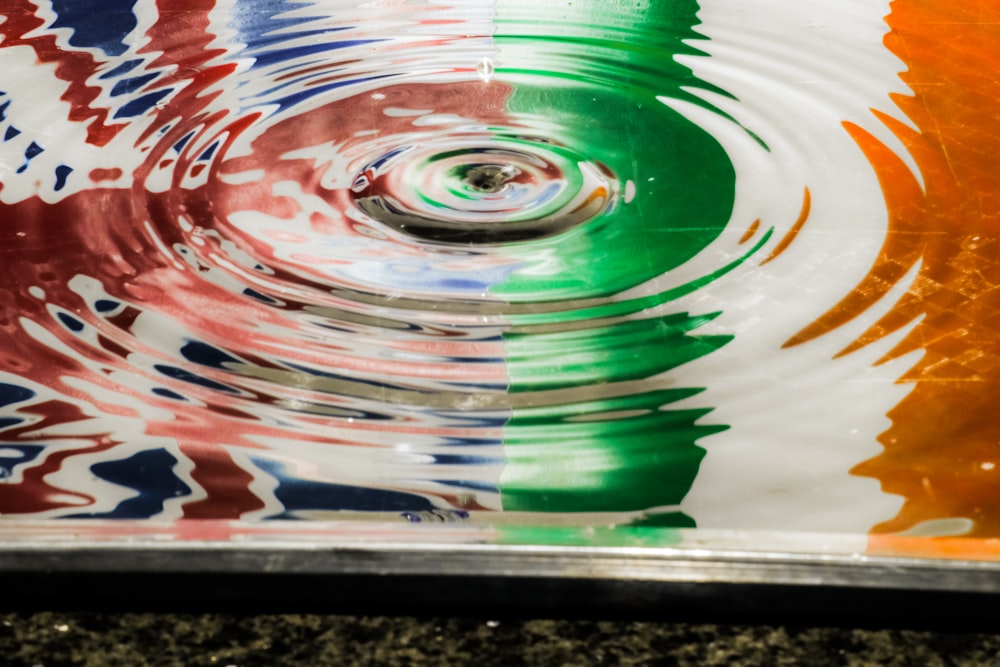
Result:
[[751, 230], [793, 232], [903, 246]]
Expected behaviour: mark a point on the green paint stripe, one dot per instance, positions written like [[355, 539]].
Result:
[[520, 321], [628, 350], [594, 72], [617, 536], [645, 457]]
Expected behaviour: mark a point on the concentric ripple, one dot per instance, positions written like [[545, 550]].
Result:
[[494, 189], [373, 257]]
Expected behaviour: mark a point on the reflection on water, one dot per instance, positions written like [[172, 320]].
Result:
[[353, 257], [267, 259]]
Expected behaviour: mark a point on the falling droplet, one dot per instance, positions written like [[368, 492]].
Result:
[[485, 69]]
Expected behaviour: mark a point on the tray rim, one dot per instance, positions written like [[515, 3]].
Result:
[[347, 556]]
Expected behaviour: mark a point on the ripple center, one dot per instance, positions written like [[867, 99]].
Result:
[[469, 190]]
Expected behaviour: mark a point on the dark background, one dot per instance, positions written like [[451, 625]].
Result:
[[106, 619], [50, 639]]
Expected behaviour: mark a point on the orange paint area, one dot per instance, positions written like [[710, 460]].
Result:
[[942, 452], [960, 548]]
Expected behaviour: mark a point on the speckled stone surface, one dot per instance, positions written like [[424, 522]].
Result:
[[219, 640]]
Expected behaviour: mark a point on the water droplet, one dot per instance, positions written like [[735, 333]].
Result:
[[494, 190], [490, 178], [485, 69]]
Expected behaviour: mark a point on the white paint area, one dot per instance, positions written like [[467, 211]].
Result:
[[800, 419]]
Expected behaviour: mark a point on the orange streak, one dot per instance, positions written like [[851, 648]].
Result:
[[751, 230], [599, 192], [902, 248], [794, 231], [942, 452]]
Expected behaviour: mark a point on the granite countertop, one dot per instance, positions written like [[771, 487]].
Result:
[[49, 639]]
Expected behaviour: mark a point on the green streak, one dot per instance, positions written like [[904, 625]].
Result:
[[645, 459], [632, 306], [629, 350], [617, 536], [590, 73]]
